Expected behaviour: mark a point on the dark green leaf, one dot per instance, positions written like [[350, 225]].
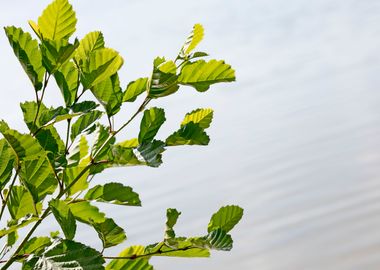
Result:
[[164, 79], [27, 51], [6, 163], [189, 134], [67, 255], [67, 78], [171, 219], [218, 239], [202, 74], [110, 233], [226, 218], [114, 193], [84, 122], [84, 107], [56, 53], [151, 123], [151, 152], [64, 217]]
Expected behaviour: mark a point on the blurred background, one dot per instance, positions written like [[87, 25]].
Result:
[[295, 141]]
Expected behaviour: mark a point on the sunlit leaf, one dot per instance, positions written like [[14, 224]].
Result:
[[71, 173], [14, 225], [91, 42], [202, 117], [108, 92], [20, 203], [35, 245], [85, 212], [114, 193], [192, 40], [101, 64], [171, 219], [57, 21], [225, 218], [37, 175], [202, 74], [134, 89], [130, 264], [64, 217], [27, 51]]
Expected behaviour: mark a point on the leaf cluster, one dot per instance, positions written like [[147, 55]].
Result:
[[43, 173]]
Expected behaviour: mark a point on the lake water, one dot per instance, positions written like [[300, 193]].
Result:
[[295, 141]]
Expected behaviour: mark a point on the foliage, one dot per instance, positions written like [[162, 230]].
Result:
[[44, 173]]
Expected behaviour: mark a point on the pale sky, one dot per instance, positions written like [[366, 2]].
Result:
[[295, 141]]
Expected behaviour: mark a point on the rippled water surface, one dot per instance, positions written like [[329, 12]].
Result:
[[295, 141]]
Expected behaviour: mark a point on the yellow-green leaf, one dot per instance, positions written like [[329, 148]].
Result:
[[202, 74], [58, 21], [192, 40], [202, 117]]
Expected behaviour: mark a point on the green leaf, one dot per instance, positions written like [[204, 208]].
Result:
[[101, 136], [79, 153], [171, 219], [84, 107], [109, 94], [27, 51], [20, 203], [91, 42], [114, 193], [110, 233], [86, 213], [151, 152], [37, 175], [83, 123], [202, 74], [189, 134], [130, 264], [123, 156], [71, 173], [23, 145], [101, 64], [218, 239], [202, 117], [151, 123], [134, 89], [226, 218], [192, 40], [184, 248], [14, 225], [6, 163], [12, 239], [57, 21], [64, 217], [35, 245], [132, 143], [66, 255], [164, 79], [67, 78], [56, 53]]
